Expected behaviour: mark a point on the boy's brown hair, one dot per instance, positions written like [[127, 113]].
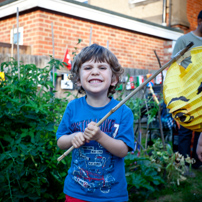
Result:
[[96, 53]]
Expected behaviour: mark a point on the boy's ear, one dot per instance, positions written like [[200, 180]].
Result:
[[114, 80], [78, 83]]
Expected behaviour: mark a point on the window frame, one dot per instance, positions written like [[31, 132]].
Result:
[[20, 30]]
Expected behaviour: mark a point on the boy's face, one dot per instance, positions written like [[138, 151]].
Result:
[[96, 77]]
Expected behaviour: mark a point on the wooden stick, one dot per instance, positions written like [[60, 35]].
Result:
[[18, 52], [175, 58], [90, 36], [153, 95], [72, 147], [12, 45], [54, 68]]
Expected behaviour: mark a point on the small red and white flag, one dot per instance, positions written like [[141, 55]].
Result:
[[67, 60], [159, 79]]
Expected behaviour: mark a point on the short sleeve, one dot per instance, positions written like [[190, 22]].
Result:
[[64, 127], [179, 45], [126, 132]]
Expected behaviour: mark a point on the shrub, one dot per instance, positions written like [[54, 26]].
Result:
[[29, 118]]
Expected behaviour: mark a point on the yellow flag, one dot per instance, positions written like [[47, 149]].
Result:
[[182, 91]]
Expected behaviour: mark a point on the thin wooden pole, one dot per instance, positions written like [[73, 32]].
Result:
[[12, 45], [90, 36], [175, 58], [159, 110], [18, 54], [54, 69]]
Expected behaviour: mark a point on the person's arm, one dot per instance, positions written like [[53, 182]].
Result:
[[114, 146], [75, 139], [199, 148]]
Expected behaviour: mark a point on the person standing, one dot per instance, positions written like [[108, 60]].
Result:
[[97, 171]]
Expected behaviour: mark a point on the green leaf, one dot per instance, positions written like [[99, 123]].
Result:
[[9, 105], [29, 116], [50, 126]]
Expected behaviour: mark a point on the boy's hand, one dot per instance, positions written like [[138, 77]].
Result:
[[78, 140], [92, 132]]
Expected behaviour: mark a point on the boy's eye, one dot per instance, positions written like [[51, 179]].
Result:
[[103, 67], [87, 68]]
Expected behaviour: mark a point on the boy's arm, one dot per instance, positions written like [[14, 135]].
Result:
[[114, 146], [75, 139], [199, 147]]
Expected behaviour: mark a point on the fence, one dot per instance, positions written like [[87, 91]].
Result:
[[6, 48]]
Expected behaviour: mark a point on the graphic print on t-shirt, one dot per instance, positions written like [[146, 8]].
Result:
[[92, 163]]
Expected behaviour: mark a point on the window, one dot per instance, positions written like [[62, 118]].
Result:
[[13, 35]]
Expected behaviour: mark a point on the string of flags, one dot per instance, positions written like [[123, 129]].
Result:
[[131, 82], [134, 81]]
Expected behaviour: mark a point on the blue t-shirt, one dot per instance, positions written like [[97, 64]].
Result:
[[95, 174]]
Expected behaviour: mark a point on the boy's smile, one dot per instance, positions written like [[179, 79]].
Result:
[[95, 81], [96, 77]]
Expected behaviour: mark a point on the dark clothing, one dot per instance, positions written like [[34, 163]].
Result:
[[184, 147]]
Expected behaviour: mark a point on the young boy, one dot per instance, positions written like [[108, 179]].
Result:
[[97, 169]]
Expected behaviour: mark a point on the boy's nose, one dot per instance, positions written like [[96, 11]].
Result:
[[95, 70]]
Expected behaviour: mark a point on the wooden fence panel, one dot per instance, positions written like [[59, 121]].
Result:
[[6, 48]]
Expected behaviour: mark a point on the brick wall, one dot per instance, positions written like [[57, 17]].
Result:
[[193, 9], [134, 50]]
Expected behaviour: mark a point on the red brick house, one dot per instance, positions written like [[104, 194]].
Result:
[[132, 40]]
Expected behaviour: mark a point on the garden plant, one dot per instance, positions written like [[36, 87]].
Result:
[[28, 121]]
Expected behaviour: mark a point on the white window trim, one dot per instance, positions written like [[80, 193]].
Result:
[[135, 1], [20, 30], [81, 0]]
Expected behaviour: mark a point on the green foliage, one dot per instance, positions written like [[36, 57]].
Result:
[[74, 53], [29, 116], [173, 164], [142, 176], [137, 105], [148, 174]]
